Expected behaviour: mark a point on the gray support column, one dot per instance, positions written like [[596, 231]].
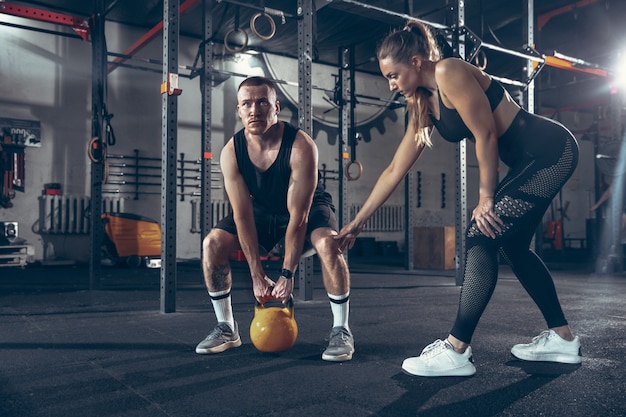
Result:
[[306, 16], [616, 254], [529, 95], [530, 41], [206, 84], [409, 206], [344, 135], [98, 82], [461, 215], [169, 116]]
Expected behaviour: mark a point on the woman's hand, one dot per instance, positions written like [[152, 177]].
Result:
[[486, 219], [348, 234]]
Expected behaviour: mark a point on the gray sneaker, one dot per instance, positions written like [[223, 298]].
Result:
[[222, 337], [340, 345]]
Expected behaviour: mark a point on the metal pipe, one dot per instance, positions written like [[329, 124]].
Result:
[[267, 10], [34, 29], [515, 53], [509, 81], [118, 191], [389, 12]]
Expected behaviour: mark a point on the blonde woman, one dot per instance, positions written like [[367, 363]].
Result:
[[461, 101]]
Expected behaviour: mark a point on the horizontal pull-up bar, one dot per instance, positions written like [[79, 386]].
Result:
[[511, 52], [509, 81], [556, 60], [290, 83], [267, 10], [78, 24], [563, 61], [392, 13]]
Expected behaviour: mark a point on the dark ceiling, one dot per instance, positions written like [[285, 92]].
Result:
[[589, 30]]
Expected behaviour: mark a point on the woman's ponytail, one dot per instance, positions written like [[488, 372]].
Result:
[[401, 46]]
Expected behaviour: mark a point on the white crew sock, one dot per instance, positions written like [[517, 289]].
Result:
[[222, 306], [340, 306]]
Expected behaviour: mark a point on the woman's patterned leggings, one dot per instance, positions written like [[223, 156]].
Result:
[[542, 156]]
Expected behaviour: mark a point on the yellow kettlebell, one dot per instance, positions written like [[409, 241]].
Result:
[[273, 329]]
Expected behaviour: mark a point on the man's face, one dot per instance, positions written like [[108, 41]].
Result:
[[258, 108]]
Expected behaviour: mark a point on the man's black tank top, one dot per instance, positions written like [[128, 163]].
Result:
[[450, 125], [269, 189]]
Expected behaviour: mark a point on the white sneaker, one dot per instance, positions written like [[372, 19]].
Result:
[[440, 359], [549, 347]]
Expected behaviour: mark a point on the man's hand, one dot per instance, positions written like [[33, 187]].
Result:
[[263, 289], [283, 289]]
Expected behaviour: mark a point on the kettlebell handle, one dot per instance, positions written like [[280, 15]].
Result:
[[287, 306]]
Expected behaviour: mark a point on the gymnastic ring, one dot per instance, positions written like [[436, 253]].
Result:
[[481, 64], [253, 20], [359, 172], [245, 40], [105, 173], [91, 146]]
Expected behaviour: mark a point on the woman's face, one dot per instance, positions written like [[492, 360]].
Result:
[[403, 78]]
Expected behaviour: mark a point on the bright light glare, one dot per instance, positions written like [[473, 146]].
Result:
[[620, 70]]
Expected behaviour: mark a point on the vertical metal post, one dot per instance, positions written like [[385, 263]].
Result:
[[616, 256], [349, 89], [168, 157], [530, 41], [344, 135], [409, 205], [529, 97], [305, 115], [98, 82], [206, 89], [461, 163]]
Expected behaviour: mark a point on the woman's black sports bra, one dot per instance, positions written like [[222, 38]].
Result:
[[450, 125]]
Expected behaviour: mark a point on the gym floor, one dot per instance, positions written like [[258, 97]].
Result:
[[68, 351]]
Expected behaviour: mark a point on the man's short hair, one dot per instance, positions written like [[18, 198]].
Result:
[[256, 81]]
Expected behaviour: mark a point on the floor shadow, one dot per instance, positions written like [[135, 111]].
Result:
[[544, 368], [418, 391], [492, 403]]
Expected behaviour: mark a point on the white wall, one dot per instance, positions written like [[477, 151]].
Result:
[[48, 78]]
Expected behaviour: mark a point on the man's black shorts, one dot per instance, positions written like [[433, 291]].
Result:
[[271, 228]]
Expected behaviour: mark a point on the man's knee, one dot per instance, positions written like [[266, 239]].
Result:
[[217, 244], [327, 247]]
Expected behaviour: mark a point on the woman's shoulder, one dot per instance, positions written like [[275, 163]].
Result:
[[450, 71], [452, 65], [455, 70], [451, 62]]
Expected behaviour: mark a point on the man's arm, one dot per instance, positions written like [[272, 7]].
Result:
[[302, 184], [243, 214]]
